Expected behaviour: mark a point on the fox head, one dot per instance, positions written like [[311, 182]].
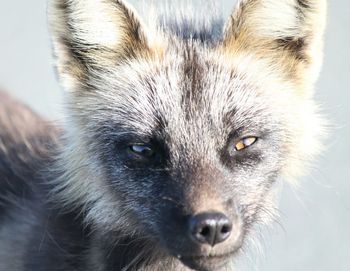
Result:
[[178, 136]]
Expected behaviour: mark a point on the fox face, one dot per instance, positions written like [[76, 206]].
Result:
[[179, 138]]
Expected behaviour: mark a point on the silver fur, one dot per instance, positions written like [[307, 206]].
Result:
[[195, 88]]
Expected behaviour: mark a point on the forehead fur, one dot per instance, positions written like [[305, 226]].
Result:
[[192, 91], [191, 80]]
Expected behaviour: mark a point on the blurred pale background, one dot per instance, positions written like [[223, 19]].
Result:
[[315, 231]]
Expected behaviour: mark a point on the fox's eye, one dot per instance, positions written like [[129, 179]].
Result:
[[143, 150], [245, 143]]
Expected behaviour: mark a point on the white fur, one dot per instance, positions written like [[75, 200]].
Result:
[[93, 21], [275, 19]]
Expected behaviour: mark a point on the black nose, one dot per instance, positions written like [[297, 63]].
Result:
[[210, 228]]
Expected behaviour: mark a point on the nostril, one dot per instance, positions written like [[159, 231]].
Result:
[[205, 231], [225, 229], [210, 228]]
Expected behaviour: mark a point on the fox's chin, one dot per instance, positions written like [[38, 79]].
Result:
[[207, 263]]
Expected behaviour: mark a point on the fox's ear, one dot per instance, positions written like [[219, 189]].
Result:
[[90, 34], [289, 32]]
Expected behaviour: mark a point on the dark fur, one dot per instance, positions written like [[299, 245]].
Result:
[[52, 237], [49, 236]]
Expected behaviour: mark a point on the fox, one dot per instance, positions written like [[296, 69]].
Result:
[[178, 130]]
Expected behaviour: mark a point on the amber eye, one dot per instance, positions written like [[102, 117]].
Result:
[[143, 150], [245, 143]]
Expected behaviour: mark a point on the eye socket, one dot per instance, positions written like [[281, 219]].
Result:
[[245, 143], [143, 150]]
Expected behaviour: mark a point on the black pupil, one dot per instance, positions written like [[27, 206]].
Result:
[[142, 150]]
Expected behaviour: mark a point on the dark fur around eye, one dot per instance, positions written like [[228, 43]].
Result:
[[141, 153], [248, 156]]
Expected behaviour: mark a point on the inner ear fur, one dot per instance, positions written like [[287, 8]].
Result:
[[287, 32], [89, 34]]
